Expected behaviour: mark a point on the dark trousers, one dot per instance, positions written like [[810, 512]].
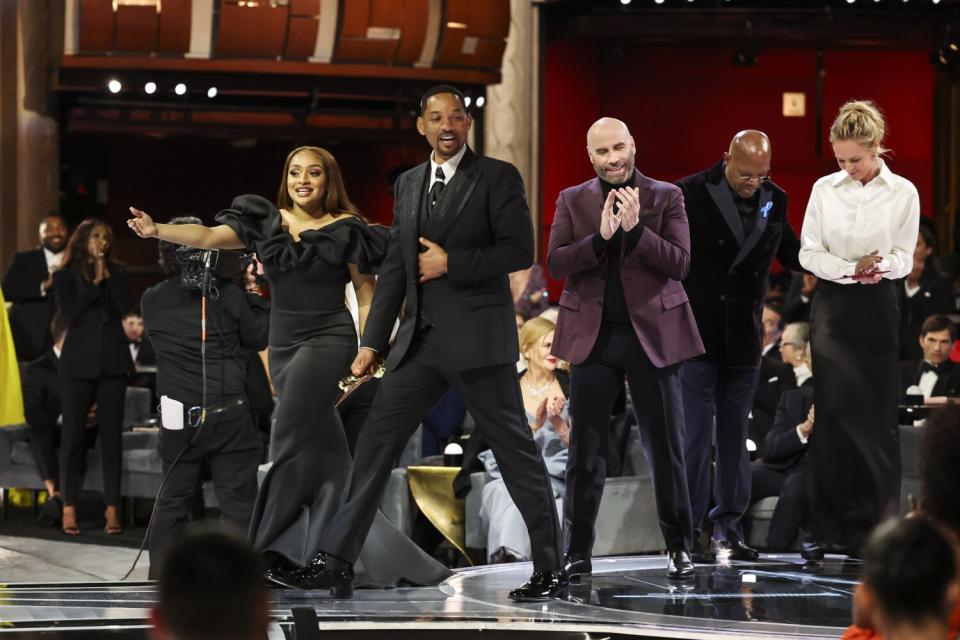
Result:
[[492, 395], [442, 423], [230, 447], [77, 396], [594, 386], [788, 514], [714, 390], [44, 442]]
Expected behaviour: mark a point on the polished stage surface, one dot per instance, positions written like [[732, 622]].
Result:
[[771, 598]]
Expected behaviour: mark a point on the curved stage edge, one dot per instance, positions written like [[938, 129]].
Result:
[[628, 597]]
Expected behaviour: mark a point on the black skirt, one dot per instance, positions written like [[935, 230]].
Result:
[[854, 454]]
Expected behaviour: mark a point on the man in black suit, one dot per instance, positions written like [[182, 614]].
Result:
[[41, 407], [738, 224], [141, 350], [776, 378], [772, 321], [461, 225], [925, 292], [935, 374], [29, 286]]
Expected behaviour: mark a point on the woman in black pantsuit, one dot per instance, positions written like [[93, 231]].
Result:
[[858, 237], [93, 296]]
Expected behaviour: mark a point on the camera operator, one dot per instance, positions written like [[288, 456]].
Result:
[[227, 442]]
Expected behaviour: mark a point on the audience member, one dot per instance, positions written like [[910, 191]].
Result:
[[796, 308], [934, 373], [92, 292], [925, 292], [140, 350], [773, 324], [211, 588], [41, 407], [909, 582], [529, 289], [544, 389], [795, 338], [776, 378], [28, 284], [939, 465], [780, 471]]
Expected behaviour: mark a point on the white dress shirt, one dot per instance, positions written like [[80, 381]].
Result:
[[928, 380], [53, 262], [847, 220], [449, 167]]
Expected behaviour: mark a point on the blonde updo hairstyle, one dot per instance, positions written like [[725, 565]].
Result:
[[533, 331], [862, 122]]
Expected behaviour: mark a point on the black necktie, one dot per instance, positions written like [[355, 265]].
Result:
[[436, 189]]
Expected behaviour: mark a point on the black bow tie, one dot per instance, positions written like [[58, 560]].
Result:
[[936, 368]]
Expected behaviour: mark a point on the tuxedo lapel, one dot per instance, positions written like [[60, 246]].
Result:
[[764, 206], [411, 209], [456, 195], [723, 198]]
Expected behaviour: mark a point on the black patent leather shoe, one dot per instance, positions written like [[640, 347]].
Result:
[[679, 565], [542, 585], [736, 550], [578, 567], [322, 572]]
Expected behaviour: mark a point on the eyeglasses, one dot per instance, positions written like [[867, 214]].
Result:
[[747, 178]]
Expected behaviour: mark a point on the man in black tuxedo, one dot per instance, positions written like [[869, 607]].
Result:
[[780, 472], [141, 350], [923, 293], [40, 384], [29, 286], [935, 374], [776, 378], [772, 322], [738, 224], [461, 225]]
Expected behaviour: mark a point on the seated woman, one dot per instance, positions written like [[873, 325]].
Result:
[[544, 388]]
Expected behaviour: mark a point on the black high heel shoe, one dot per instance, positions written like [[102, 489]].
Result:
[[323, 572]]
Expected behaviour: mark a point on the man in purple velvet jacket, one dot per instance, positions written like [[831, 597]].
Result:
[[621, 241]]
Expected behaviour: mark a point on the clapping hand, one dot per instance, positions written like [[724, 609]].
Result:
[[540, 416], [609, 221], [95, 249], [555, 409], [629, 199], [806, 428], [142, 224]]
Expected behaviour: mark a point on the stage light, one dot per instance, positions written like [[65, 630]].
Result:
[[625, 2], [180, 89], [150, 88], [659, 1], [114, 86], [212, 93], [851, 1], [467, 102], [480, 102]]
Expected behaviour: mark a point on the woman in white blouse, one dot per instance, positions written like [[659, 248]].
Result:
[[858, 237]]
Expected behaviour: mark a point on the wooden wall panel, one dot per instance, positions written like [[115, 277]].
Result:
[[136, 28], [488, 23], [96, 25], [301, 37], [174, 36], [305, 8], [354, 18], [414, 31], [252, 32]]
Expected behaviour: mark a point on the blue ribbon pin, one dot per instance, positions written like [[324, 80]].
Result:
[[765, 209]]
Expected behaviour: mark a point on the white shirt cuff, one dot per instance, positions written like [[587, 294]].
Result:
[[801, 436]]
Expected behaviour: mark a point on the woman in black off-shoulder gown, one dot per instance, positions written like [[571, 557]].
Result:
[[308, 259]]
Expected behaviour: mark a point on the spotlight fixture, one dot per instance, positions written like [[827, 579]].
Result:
[[480, 102], [212, 93], [467, 101], [658, 1], [150, 88], [114, 86], [180, 89], [625, 2]]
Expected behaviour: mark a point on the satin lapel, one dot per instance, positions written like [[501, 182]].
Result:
[[720, 192], [765, 205], [411, 210], [457, 194]]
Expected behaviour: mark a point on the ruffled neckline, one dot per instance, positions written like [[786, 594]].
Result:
[[348, 239]]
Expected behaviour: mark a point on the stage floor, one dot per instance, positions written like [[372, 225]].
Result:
[[771, 598]]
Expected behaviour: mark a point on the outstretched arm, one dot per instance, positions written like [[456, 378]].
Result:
[[192, 235]]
